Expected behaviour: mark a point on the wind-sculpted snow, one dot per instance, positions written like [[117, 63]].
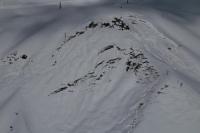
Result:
[[133, 59], [135, 63], [91, 71], [96, 61]]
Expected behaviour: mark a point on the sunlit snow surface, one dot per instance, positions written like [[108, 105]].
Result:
[[98, 69]]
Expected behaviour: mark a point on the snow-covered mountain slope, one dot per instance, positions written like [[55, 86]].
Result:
[[96, 69], [31, 3]]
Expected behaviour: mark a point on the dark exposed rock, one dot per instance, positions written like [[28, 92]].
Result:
[[159, 92], [100, 76], [104, 24], [24, 56], [106, 48], [111, 61], [140, 105], [80, 33], [166, 86], [92, 25], [120, 23], [59, 90], [99, 64], [11, 128], [136, 63]]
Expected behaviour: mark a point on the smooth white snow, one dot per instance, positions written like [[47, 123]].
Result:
[[82, 70]]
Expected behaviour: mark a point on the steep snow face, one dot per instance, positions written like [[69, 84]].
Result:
[[98, 78]]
